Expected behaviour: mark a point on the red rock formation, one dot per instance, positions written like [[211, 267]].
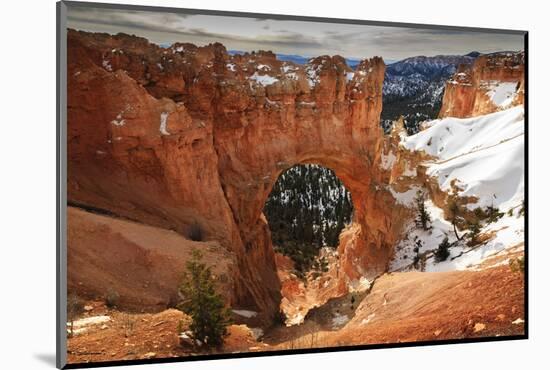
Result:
[[190, 135], [484, 87]]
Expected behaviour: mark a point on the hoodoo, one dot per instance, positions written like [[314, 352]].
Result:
[[494, 82]]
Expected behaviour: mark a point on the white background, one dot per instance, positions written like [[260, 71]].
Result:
[[27, 182]]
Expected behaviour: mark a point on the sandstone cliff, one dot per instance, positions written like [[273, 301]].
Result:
[[188, 136], [494, 82]]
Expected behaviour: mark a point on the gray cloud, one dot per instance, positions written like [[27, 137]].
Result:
[[294, 37]]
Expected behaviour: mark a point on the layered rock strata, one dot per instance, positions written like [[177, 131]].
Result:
[[191, 138]]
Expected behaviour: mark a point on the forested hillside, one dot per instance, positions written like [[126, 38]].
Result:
[[306, 210]]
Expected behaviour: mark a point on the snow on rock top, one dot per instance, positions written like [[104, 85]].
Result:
[[264, 80], [406, 198], [288, 68], [502, 94], [312, 72]]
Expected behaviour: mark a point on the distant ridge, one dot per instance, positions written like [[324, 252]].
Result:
[[300, 59]]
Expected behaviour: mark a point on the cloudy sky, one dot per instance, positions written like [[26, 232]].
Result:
[[290, 37]]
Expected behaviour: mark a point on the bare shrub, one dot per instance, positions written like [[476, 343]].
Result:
[[74, 308], [128, 324], [112, 298], [517, 264]]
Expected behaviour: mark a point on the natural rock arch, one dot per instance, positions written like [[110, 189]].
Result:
[[213, 155], [335, 128]]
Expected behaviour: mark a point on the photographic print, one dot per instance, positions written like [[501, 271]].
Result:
[[253, 184]]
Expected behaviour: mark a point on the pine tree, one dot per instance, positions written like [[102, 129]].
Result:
[[442, 252], [423, 219], [209, 315], [455, 213], [493, 214], [416, 260], [522, 209], [474, 230]]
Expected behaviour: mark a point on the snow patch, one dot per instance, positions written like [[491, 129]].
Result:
[[502, 94], [295, 320], [264, 80], [312, 73], [339, 320], [292, 75], [387, 161], [360, 285], [409, 172], [163, 123], [107, 65], [257, 333], [245, 313], [94, 320], [368, 319], [119, 121], [406, 198]]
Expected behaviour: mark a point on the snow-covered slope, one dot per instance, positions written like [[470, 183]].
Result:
[[484, 156]]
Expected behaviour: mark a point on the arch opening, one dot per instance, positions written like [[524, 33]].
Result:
[[306, 210]]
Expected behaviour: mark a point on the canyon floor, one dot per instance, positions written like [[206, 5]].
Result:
[[400, 307]]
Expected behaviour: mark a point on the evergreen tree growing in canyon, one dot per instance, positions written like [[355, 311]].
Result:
[[209, 315], [423, 219], [442, 251], [474, 230], [455, 212]]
